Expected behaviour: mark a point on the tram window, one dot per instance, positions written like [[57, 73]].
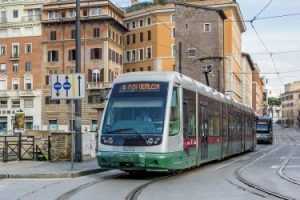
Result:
[[189, 111], [174, 126]]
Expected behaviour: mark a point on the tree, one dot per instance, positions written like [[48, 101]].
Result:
[[274, 101]]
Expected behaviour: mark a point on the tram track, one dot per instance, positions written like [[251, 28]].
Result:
[[69, 194], [252, 185]]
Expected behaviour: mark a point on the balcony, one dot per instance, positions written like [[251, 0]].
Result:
[[32, 18], [99, 85], [14, 57]]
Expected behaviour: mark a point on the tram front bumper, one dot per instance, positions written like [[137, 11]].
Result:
[[133, 161]]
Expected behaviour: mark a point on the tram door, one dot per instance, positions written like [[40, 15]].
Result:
[[203, 132]]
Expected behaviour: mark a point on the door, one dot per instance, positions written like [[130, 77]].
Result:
[[203, 132]]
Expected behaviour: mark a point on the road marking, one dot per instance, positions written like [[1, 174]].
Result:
[[275, 167]]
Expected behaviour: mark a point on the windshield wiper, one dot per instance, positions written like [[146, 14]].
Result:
[[121, 130]]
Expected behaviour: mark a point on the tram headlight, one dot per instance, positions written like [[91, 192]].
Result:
[[149, 140], [107, 140], [153, 140]]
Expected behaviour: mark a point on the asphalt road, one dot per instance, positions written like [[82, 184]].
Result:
[[271, 172]]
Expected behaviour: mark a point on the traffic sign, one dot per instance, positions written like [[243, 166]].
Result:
[[67, 86]]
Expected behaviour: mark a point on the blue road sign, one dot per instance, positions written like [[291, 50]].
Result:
[[67, 85], [57, 86]]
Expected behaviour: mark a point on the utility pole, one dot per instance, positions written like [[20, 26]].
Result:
[[77, 102], [180, 57]]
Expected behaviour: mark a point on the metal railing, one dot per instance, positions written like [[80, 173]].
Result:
[[24, 148], [99, 85]]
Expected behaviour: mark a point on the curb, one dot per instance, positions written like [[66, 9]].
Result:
[[52, 175]]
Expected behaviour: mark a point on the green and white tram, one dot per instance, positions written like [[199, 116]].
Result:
[[165, 121]]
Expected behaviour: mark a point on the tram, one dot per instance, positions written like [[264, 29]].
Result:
[[166, 121], [264, 129]]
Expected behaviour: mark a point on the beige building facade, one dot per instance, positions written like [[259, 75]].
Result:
[[290, 105], [258, 91], [246, 79], [102, 49]]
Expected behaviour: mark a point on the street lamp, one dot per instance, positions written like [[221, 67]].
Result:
[[208, 69]]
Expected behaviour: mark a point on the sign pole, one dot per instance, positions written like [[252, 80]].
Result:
[[72, 135], [78, 138]]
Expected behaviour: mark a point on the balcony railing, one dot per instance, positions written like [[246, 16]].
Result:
[[31, 18], [99, 85], [15, 56]]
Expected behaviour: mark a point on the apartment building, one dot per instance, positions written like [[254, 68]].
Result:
[[102, 49], [162, 48], [258, 92], [246, 79], [200, 30], [150, 42], [290, 105], [233, 29], [20, 63]]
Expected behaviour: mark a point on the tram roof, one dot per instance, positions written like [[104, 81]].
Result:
[[183, 80]]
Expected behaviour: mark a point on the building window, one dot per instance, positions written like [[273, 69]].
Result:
[[128, 56], [28, 48], [207, 27], [52, 35], [149, 35], [2, 50], [128, 39], [141, 57], [15, 67], [15, 84], [133, 38], [85, 12], [94, 11], [52, 15], [141, 23], [133, 69], [53, 56], [173, 32], [191, 52], [3, 124], [96, 53], [133, 24], [28, 122], [15, 50], [72, 55], [15, 103], [3, 103], [28, 103], [141, 36], [72, 13], [173, 18], [149, 52], [94, 125], [73, 34], [28, 84], [149, 21], [133, 56], [96, 32], [173, 50], [28, 67], [53, 125], [48, 100], [3, 68], [15, 13], [141, 69]]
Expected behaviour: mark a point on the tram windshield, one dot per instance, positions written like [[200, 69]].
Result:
[[136, 108]]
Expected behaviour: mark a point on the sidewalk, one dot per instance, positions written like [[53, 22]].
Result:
[[35, 169]]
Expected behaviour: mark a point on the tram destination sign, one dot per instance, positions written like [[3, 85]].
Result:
[[140, 87], [67, 86]]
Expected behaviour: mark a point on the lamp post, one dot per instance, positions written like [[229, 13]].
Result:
[[208, 69]]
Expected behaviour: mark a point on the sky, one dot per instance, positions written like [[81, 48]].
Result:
[[278, 35]]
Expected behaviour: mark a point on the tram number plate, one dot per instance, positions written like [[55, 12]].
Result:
[[129, 149]]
